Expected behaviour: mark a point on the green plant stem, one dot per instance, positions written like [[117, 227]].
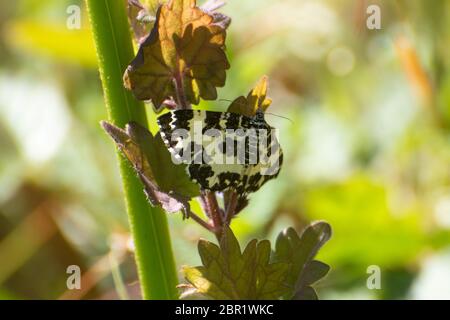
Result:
[[153, 251]]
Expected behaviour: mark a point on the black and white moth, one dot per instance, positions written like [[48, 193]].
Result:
[[223, 150]]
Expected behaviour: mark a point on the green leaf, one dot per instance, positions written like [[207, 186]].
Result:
[[308, 293], [314, 271], [231, 275], [166, 184], [185, 50], [43, 38], [270, 276], [299, 253]]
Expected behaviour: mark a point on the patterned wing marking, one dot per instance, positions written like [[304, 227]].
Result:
[[233, 172]]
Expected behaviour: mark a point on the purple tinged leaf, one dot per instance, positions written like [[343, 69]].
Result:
[[141, 20], [165, 184], [212, 5]]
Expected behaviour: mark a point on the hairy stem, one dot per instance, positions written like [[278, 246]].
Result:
[[230, 206], [213, 210], [153, 251], [202, 222], [181, 95]]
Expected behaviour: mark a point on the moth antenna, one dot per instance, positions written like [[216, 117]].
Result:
[[276, 115]]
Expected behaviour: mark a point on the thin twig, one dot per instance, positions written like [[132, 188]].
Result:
[[204, 204], [212, 207], [202, 222], [181, 95], [230, 208]]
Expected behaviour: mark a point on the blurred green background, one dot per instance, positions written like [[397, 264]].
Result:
[[367, 148]]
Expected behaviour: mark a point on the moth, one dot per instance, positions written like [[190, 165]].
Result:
[[223, 150]]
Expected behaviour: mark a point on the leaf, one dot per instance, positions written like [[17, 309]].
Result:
[[185, 49], [166, 184], [211, 8], [256, 99], [141, 20], [314, 271], [270, 276], [152, 5], [299, 253], [308, 293], [228, 274], [212, 5]]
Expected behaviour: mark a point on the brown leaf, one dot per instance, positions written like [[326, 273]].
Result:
[[185, 50], [211, 8], [165, 184], [256, 99], [141, 20], [170, 202]]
